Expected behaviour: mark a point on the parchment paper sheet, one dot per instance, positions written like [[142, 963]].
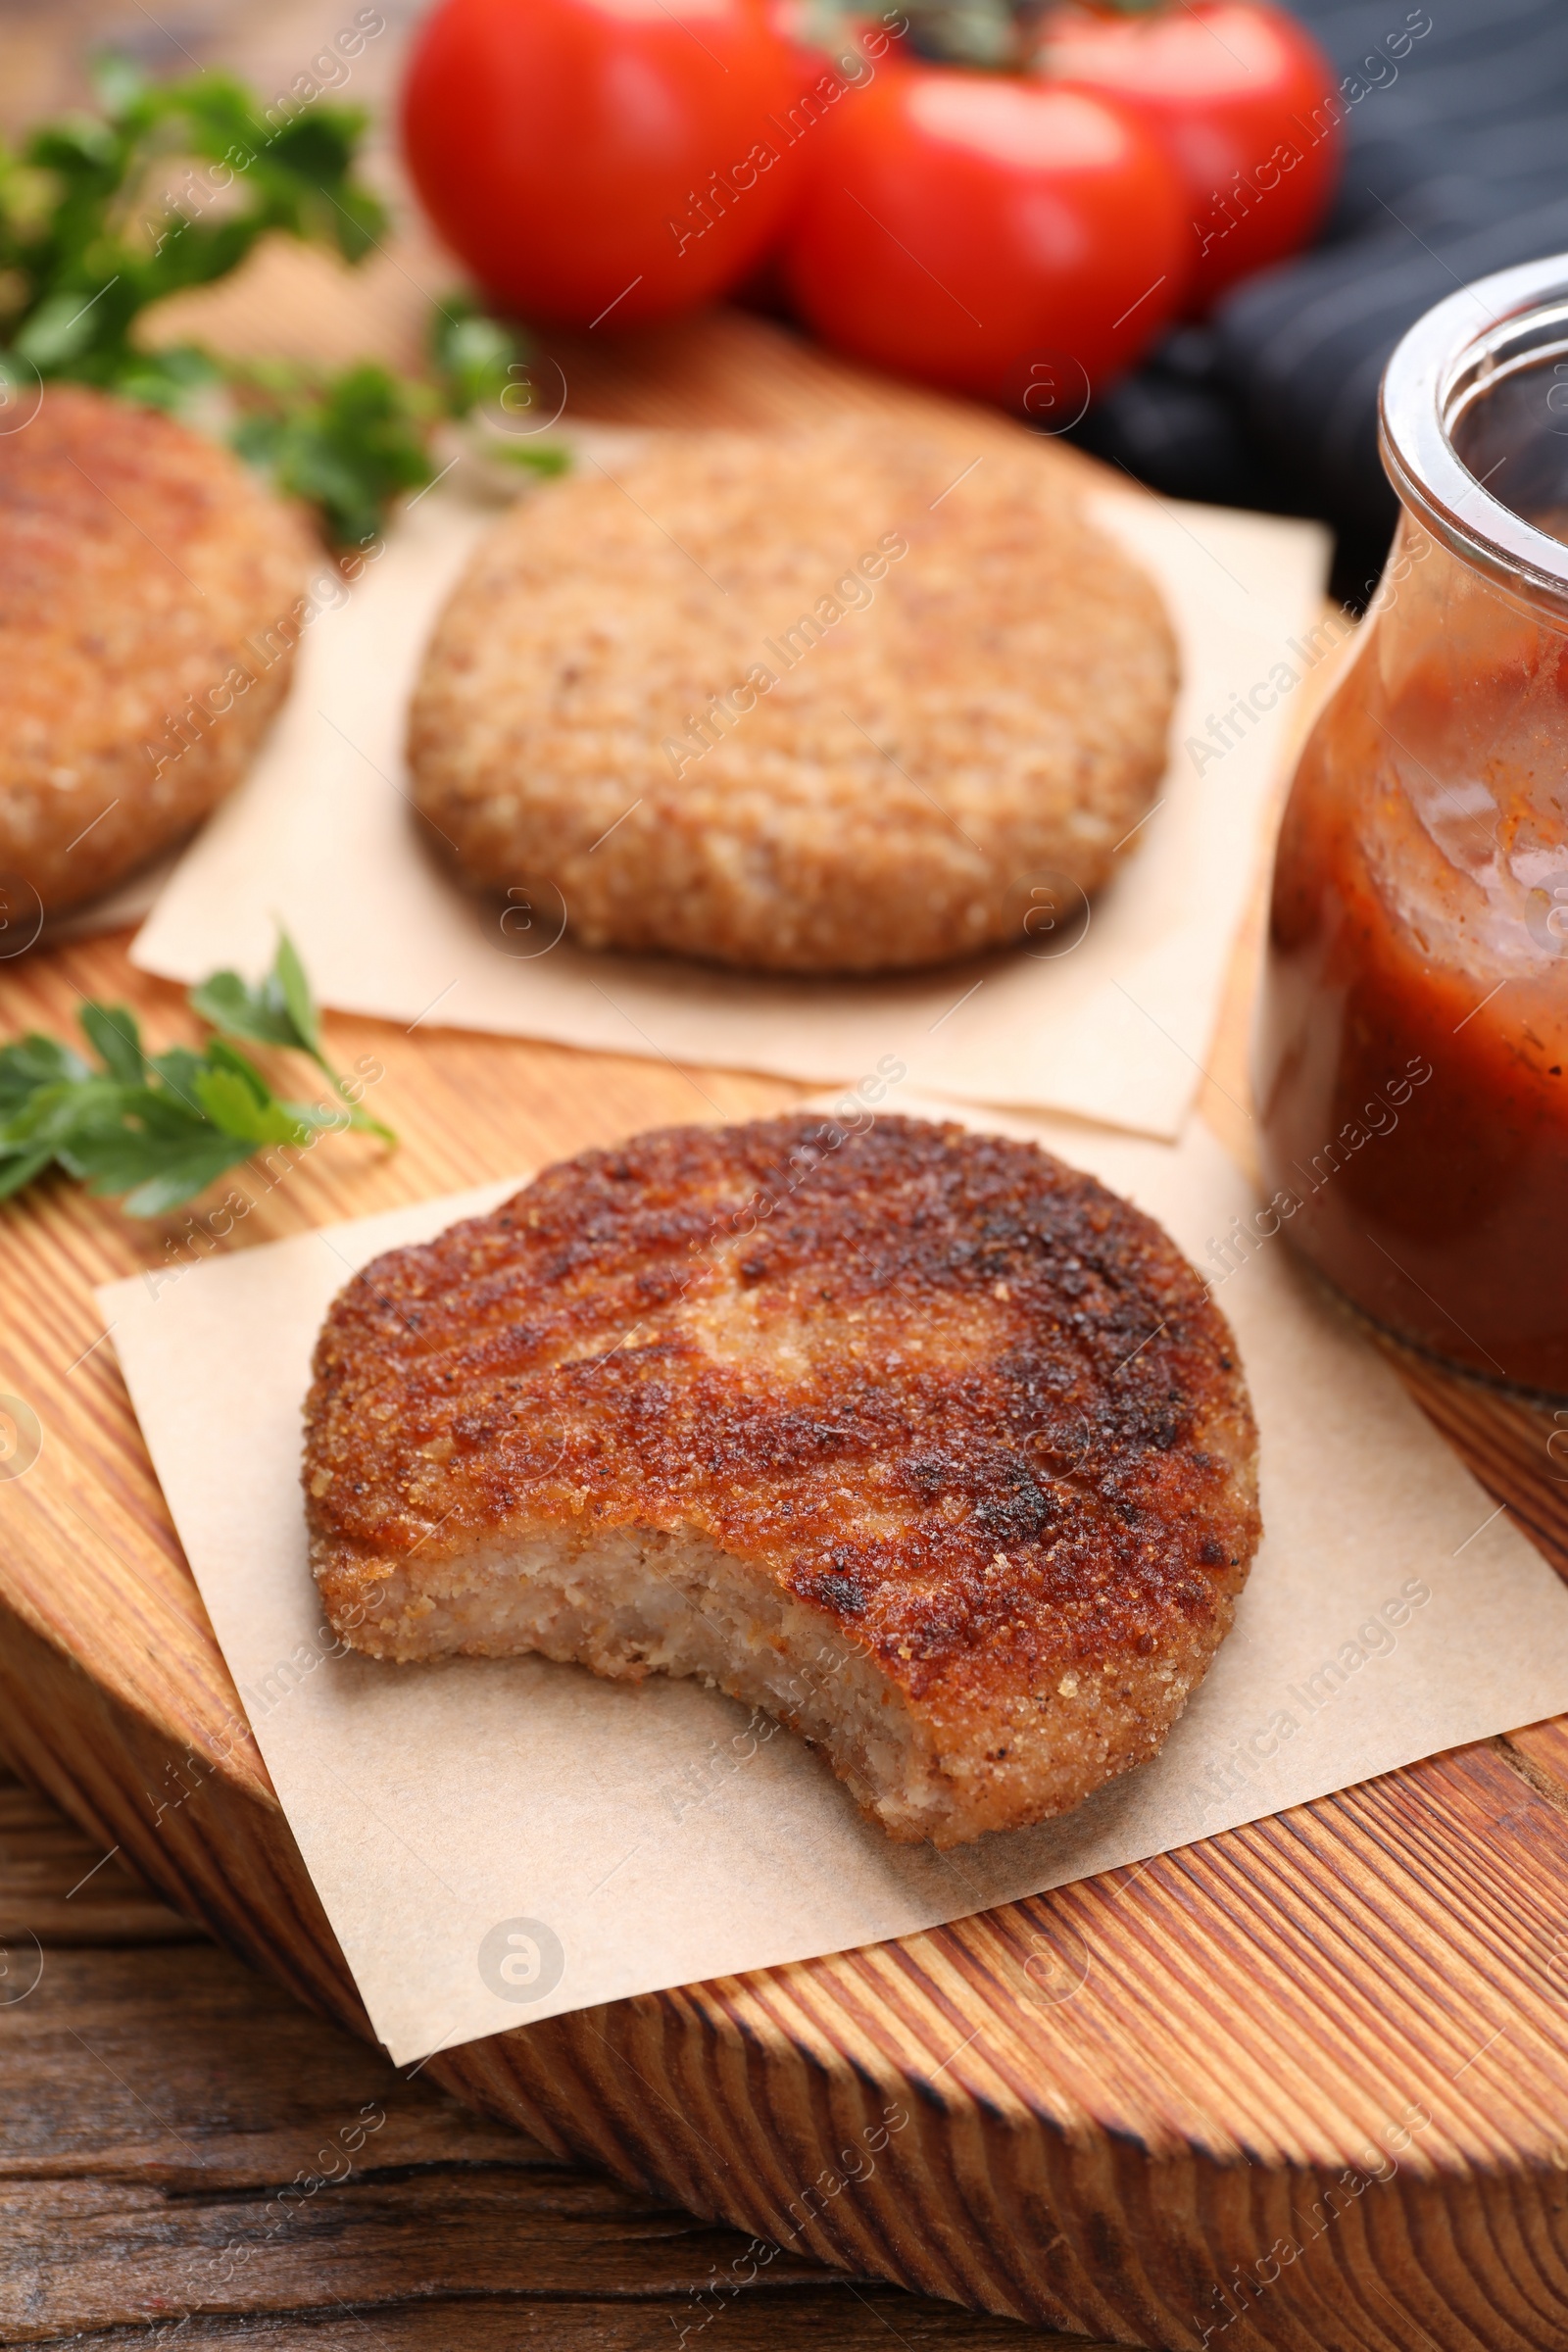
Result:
[[637, 1837], [324, 834]]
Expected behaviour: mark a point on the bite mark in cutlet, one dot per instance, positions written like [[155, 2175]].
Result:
[[918, 1439]]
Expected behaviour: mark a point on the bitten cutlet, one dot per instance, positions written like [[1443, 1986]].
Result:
[[918, 1439]]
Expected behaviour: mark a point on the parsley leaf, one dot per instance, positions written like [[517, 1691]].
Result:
[[349, 444], [279, 1010], [159, 1127]]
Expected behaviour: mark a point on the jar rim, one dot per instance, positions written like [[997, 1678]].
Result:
[[1453, 357]]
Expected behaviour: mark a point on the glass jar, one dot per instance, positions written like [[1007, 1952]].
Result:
[[1413, 1046]]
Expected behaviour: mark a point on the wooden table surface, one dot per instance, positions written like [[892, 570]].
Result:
[[156, 2097]]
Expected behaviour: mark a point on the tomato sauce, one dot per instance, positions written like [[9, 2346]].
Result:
[[1413, 1039]]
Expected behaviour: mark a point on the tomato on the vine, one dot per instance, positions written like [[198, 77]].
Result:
[[989, 235], [601, 160], [1245, 104]]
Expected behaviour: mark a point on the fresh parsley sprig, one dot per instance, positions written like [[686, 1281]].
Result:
[[91, 236], [169, 186], [159, 1127]]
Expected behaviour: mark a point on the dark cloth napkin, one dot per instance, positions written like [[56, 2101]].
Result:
[[1456, 164]]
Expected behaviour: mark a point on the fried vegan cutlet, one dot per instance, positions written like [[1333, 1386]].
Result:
[[148, 594], [841, 701], [918, 1439]]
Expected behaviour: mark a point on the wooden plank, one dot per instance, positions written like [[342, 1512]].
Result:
[[58, 1885], [166, 2113], [832, 2320]]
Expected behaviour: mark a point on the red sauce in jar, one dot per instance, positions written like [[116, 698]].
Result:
[[1413, 1040]]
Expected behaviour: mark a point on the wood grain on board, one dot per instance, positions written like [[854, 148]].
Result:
[[1304, 2084]]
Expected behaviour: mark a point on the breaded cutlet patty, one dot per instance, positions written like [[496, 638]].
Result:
[[918, 1439], [803, 704], [147, 596]]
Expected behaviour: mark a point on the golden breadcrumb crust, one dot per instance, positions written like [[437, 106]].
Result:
[[957, 1416], [801, 705], [143, 573]]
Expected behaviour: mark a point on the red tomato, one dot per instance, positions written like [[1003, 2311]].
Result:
[[989, 235], [1245, 103], [612, 159]]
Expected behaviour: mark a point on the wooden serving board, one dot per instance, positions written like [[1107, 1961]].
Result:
[[1342, 2030]]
